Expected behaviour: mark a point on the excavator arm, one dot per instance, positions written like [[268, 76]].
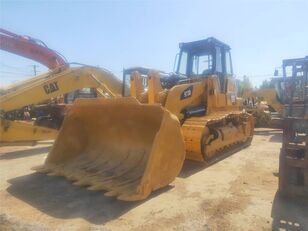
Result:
[[51, 85], [54, 83], [48, 86], [269, 95], [30, 48], [61, 79]]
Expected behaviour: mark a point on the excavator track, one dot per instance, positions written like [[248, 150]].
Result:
[[208, 137]]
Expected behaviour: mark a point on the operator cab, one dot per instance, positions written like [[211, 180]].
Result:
[[290, 88], [198, 59], [203, 58]]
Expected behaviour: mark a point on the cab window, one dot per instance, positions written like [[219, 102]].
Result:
[[183, 63], [126, 84], [229, 70], [218, 59], [202, 64]]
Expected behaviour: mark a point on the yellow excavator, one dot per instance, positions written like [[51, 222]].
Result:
[[47, 86], [33, 109], [264, 105], [131, 146]]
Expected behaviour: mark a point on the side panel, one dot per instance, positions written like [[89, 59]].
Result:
[[185, 95], [12, 131]]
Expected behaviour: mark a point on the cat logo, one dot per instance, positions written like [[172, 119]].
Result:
[[51, 87], [187, 93]]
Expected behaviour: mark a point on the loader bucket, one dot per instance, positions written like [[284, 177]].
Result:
[[119, 146]]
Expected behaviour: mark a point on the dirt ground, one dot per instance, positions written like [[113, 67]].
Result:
[[237, 193]]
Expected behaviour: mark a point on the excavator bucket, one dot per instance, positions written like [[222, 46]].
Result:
[[119, 146]]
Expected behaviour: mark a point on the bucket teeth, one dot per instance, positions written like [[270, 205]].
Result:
[[97, 187], [41, 169], [113, 179], [108, 176], [55, 173], [111, 194], [81, 183]]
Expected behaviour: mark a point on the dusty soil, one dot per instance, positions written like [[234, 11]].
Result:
[[237, 193]]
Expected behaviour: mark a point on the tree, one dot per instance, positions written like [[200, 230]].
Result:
[[243, 85], [266, 84], [2, 91]]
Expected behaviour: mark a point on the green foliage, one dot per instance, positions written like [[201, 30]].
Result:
[[266, 84], [243, 85], [2, 91]]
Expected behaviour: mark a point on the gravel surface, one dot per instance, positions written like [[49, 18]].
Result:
[[237, 193]]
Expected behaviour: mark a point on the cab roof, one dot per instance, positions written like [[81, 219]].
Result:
[[298, 61], [204, 44]]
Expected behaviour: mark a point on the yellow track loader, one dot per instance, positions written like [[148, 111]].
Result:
[[134, 145]]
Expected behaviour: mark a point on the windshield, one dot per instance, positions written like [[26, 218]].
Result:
[[202, 64], [126, 84], [182, 68]]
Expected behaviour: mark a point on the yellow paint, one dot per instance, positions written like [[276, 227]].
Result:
[[11, 131], [120, 146], [50, 85]]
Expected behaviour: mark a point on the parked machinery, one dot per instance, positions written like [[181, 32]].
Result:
[[45, 87], [293, 164], [31, 48], [33, 109], [134, 145], [264, 105]]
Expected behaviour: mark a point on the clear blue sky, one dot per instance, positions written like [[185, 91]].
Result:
[[118, 34]]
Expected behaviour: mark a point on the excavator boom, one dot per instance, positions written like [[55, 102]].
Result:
[[45, 87], [30, 48], [52, 84], [60, 80]]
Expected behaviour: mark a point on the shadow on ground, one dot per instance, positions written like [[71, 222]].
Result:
[[191, 167], [58, 198], [24, 153], [275, 134], [289, 213]]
